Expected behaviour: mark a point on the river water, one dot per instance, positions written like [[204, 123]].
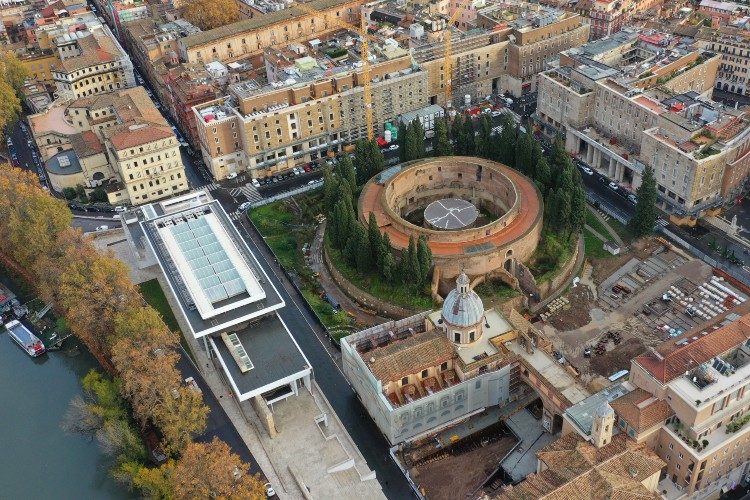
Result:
[[37, 458]]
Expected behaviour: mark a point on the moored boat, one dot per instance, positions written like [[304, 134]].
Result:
[[25, 339]]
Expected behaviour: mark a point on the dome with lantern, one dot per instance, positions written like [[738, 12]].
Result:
[[463, 312]]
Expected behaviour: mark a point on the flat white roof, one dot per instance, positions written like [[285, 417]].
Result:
[[211, 267]]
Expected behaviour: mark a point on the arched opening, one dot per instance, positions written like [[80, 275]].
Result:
[[726, 87], [98, 176], [508, 265], [509, 253]]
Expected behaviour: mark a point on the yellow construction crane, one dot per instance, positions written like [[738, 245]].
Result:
[[364, 54], [448, 63]]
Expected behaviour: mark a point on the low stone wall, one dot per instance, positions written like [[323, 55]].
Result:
[[264, 415], [362, 297]]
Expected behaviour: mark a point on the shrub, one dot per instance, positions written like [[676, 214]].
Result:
[[69, 193], [98, 195]]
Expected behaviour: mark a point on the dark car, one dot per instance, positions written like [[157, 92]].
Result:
[[91, 208], [108, 209], [74, 206]]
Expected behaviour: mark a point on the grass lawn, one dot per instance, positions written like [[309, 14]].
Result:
[[154, 296], [550, 255], [622, 230], [593, 221], [495, 288], [594, 246]]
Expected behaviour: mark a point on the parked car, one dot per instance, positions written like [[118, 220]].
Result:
[[255, 183], [270, 492], [613, 186], [192, 385], [232, 175], [496, 113], [586, 170], [633, 199], [244, 206], [102, 228], [308, 168], [393, 147], [92, 208], [121, 209], [9, 141]]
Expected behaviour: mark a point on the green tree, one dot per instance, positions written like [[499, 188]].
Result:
[[369, 160], [469, 142], [415, 271], [508, 136], [419, 133], [403, 273], [352, 248], [577, 206], [402, 139], [364, 252], [524, 148], [442, 143], [455, 131], [344, 192], [345, 171], [13, 72], [424, 257], [374, 238], [99, 194], [69, 193], [643, 220], [385, 249], [542, 175], [82, 193], [388, 267], [485, 140]]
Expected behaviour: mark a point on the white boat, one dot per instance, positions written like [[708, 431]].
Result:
[[25, 339]]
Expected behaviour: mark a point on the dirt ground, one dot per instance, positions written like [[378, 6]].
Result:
[[576, 313], [618, 358], [459, 476], [641, 249]]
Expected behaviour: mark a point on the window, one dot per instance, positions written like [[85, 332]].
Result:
[[444, 366], [456, 336], [405, 381], [668, 458], [424, 373]]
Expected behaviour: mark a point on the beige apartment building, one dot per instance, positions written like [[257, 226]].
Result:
[[733, 45], [94, 63], [117, 141], [252, 36], [316, 109], [607, 95]]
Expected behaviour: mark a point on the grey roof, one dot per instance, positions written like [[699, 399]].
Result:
[[463, 309], [431, 110], [273, 352], [451, 214], [54, 167], [582, 413]]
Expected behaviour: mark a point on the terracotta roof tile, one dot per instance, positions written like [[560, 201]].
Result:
[[86, 144], [131, 137], [672, 359], [410, 355], [641, 410], [616, 471]]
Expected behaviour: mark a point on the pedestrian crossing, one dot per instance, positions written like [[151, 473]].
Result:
[[235, 216], [661, 222], [249, 191]]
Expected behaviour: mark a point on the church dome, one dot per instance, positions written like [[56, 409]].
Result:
[[462, 306]]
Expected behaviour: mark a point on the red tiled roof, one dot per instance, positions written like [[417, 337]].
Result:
[[673, 360], [638, 412], [128, 138], [408, 356], [577, 470]]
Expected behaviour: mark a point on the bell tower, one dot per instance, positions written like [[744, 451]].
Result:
[[604, 421]]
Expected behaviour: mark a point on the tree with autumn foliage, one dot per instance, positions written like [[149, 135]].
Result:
[[12, 76], [204, 470], [210, 14]]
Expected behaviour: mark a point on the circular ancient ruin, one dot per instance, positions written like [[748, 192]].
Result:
[[477, 215]]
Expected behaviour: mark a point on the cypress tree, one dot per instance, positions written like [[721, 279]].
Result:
[[468, 136], [456, 127], [542, 175], [418, 130], [374, 237], [442, 144], [403, 132], [388, 267], [414, 270], [385, 249], [524, 149], [364, 253], [345, 171], [484, 139], [351, 249], [507, 147], [644, 219], [403, 274], [424, 257], [329, 192]]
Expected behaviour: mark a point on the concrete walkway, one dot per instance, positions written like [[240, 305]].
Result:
[[595, 233], [522, 461], [606, 224]]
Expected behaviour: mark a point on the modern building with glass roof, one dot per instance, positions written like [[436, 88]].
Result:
[[224, 294]]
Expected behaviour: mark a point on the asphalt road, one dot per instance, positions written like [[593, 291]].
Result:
[[89, 225], [328, 375]]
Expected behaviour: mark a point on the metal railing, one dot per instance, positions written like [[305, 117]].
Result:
[[286, 194]]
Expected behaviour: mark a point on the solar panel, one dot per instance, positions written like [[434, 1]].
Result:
[[207, 259]]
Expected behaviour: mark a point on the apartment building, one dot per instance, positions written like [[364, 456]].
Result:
[[252, 36], [702, 376], [536, 35], [604, 95], [734, 48], [306, 106], [117, 141], [94, 63]]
